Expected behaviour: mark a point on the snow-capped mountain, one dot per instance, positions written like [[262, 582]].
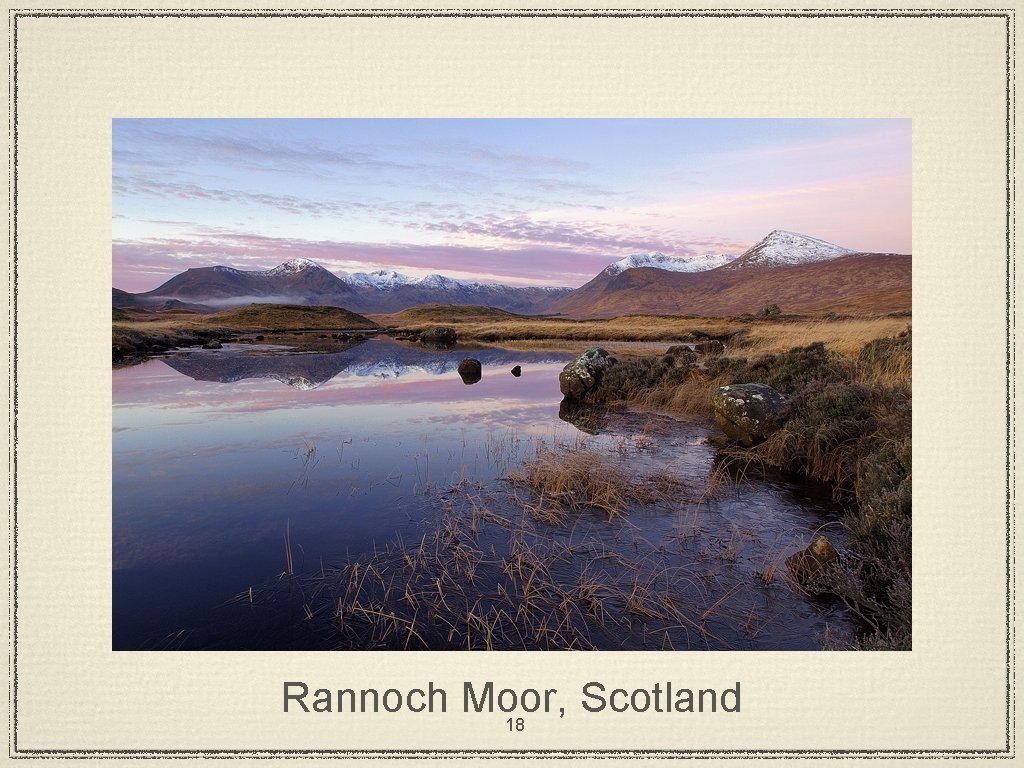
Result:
[[783, 249], [669, 263], [795, 271], [388, 290], [382, 279], [291, 267]]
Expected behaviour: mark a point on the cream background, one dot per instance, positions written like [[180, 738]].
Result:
[[74, 75]]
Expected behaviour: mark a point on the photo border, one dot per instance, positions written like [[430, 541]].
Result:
[[1009, 17]]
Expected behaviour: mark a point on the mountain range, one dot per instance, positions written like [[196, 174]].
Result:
[[301, 281], [797, 272]]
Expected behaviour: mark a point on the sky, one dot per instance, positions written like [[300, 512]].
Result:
[[516, 201]]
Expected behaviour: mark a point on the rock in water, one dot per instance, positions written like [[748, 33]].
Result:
[[470, 370], [517, 371], [583, 375], [750, 412], [213, 345], [809, 564], [439, 336]]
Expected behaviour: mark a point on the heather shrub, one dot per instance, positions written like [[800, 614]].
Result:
[[787, 372]]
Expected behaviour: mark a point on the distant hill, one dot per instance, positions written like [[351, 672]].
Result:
[[287, 317], [445, 313]]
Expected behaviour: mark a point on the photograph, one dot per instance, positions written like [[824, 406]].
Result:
[[613, 384]]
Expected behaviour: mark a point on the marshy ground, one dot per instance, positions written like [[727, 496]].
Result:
[[650, 534]]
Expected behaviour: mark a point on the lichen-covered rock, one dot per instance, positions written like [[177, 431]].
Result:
[[470, 370], [749, 413], [439, 336], [583, 375], [808, 565]]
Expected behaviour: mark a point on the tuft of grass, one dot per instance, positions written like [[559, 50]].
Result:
[[564, 481], [886, 360]]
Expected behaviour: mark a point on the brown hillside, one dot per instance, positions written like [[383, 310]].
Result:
[[287, 316], [861, 284], [443, 313]]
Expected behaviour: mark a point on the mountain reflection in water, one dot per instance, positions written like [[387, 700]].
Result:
[[382, 358]]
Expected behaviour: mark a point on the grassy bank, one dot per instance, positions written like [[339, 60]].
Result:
[[849, 425], [137, 333], [761, 335]]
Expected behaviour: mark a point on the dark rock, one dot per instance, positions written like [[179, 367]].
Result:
[[710, 347], [470, 371], [810, 564], [750, 412], [517, 371], [583, 375], [439, 336], [681, 354], [213, 345], [260, 338]]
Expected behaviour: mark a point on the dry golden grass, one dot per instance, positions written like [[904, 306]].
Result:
[[743, 335], [846, 337]]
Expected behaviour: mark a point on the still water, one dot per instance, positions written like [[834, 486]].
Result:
[[248, 481]]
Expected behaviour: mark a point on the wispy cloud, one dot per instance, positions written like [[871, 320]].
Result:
[[251, 151], [134, 185], [582, 236]]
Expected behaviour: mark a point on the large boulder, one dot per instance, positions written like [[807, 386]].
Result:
[[439, 336], [583, 375], [749, 413], [470, 370], [810, 564]]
